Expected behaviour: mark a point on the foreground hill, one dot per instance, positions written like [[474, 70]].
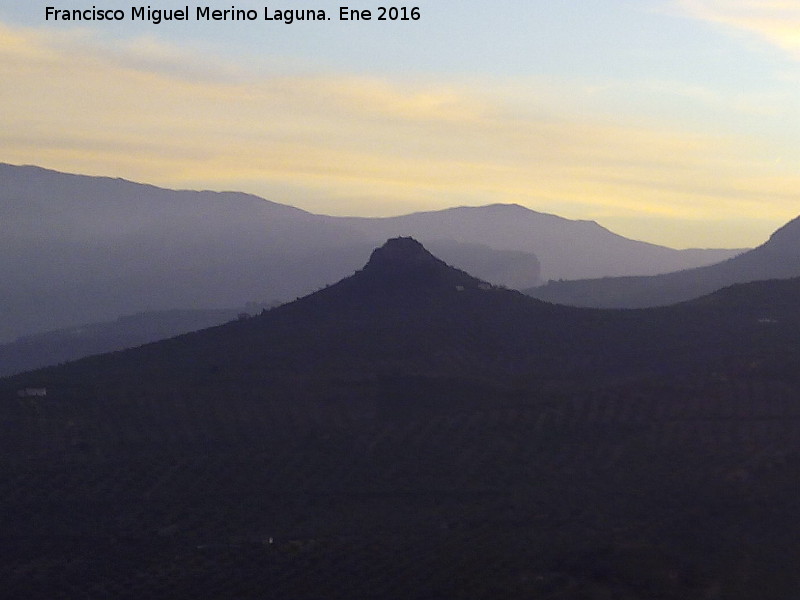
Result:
[[89, 249], [777, 258], [413, 432]]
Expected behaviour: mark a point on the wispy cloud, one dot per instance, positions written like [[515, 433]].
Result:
[[775, 21], [342, 144]]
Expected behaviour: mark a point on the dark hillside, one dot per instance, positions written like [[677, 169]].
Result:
[[412, 432], [407, 310]]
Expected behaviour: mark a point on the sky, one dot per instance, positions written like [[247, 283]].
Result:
[[670, 121]]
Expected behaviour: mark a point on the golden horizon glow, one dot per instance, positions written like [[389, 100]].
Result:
[[346, 144]]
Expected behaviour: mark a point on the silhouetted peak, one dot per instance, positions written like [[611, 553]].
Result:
[[403, 260], [400, 253]]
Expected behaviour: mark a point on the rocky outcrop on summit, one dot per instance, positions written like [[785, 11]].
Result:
[[402, 253], [403, 261]]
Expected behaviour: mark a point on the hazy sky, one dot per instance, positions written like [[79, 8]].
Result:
[[672, 121]]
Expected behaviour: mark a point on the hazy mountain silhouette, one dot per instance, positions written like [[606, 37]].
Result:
[[414, 432], [777, 258], [566, 249], [89, 249]]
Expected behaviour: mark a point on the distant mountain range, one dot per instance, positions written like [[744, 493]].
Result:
[[566, 249], [414, 432], [777, 258], [88, 249]]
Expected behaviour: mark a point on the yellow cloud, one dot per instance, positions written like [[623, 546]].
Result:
[[358, 145], [777, 22]]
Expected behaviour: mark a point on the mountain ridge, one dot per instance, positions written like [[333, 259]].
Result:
[[589, 247], [90, 249], [777, 258]]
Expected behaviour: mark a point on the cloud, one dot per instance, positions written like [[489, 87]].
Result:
[[777, 22], [346, 144]]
